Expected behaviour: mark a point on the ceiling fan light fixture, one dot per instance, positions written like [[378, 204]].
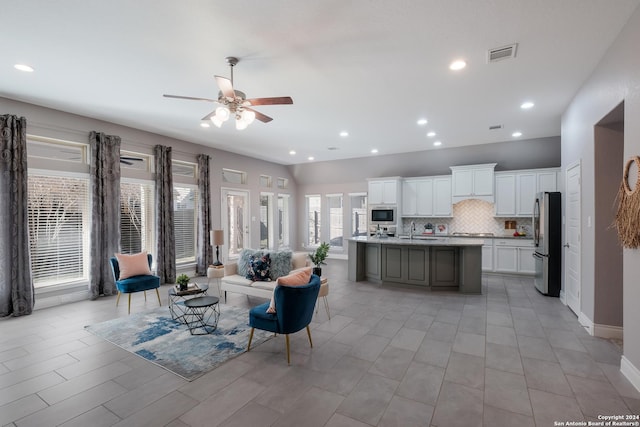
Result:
[[248, 116], [222, 113], [241, 124]]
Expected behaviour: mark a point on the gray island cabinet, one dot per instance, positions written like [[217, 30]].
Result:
[[434, 263]]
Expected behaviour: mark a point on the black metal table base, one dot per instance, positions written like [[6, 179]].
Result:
[[201, 315]]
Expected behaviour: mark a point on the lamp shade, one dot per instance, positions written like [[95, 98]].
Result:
[[217, 237]]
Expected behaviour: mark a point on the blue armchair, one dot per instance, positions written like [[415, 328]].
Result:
[[294, 310], [134, 284]]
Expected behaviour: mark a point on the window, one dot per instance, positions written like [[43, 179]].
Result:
[[58, 212], [266, 219], [236, 177], [183, 169], [313, 220], [136, 216], [283, 221], [334, 202], [358, 214], [135, 161], [185, 202], [265, 181], [283, 183]]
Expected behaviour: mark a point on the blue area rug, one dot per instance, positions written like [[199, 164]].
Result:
[[154, 336]]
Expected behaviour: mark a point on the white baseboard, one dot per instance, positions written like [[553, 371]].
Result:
[[586, 322], [630, 372], [563, 298], [607, 331], [55, 300]]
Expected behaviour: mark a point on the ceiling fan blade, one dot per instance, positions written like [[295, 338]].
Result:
[[208, 116], [191, 98], [135, 159], [269, 101], [225, 87], [263, 118], [125, 162]]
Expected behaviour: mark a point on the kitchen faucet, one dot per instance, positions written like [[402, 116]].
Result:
[[412, 229]]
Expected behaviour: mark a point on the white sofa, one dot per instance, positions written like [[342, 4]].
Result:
[[234, 282]]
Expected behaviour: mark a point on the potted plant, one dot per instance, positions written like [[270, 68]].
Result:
[[318, 257], [183, 281]]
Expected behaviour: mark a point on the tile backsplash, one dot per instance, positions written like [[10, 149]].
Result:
[[470, 216]]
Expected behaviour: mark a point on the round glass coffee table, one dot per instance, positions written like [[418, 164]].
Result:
[[202, 314], [177, 299]]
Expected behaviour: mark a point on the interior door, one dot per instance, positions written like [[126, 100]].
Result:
[[235, 220], [572, 237]]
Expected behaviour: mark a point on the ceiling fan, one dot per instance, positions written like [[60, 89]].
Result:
[[234, 102], [129, 160]]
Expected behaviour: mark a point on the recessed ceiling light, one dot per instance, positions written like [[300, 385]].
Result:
[[205, 125], [516, 134], [292, 152], [431, 134], [422, 122], [310, 158], [23, 67], [344, 134], [437, 143], [457, 65], [527, 105], [374, 151]]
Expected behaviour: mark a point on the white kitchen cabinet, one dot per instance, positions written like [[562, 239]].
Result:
[[417, 197], [442, 196], [505, 204], [383, 191], [487, 255], [516, 190], [513, 256], [426, 197], [473, 182]]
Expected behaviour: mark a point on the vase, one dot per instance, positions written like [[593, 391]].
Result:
[[317, 271]]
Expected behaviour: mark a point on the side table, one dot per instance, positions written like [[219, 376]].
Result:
[[324, 291], [178, 298], [202, 315], [216, 273]]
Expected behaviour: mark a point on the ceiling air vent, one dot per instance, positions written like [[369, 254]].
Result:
[[495, 127], [500, 53]]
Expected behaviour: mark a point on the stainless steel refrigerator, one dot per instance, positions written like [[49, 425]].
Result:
[[547, 236]]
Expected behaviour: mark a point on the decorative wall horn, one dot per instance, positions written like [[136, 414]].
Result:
[[627, 220]]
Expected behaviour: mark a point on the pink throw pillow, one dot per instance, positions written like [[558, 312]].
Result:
[[133, 265], [297, 277]]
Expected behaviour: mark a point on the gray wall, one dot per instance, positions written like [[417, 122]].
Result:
[[510, 155], [609, 152], [615, 79], [51, 123]]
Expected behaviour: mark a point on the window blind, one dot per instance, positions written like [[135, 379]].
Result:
[[58, 211], [185, 211], [137, 201]]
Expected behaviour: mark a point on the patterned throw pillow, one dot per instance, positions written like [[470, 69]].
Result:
[[243, 261], [259, 267]]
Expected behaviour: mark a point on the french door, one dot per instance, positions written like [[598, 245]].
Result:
[[235, 220]]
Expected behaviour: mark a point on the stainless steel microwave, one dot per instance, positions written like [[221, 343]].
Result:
[[382, 215]]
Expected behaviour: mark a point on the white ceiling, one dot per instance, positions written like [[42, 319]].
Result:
[[371, 67]]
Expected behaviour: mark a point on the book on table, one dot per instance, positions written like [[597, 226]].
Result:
[[191, 288]]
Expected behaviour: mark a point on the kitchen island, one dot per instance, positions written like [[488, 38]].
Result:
[[430, 262]]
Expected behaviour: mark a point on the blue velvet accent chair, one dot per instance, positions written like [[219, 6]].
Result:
[[294, 310], [134, 284]]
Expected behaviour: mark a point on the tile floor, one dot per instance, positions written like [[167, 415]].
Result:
[[387, 357]]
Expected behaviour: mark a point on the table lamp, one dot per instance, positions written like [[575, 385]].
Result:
[[217, 239]]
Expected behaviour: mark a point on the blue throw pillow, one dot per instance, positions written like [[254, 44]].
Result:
[[259, 267]]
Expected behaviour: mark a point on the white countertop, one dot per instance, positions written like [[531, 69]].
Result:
[[421, 241]]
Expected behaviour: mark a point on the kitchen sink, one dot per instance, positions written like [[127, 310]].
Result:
[[419, 237]]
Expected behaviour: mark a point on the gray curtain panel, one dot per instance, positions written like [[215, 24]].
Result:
[[165, 235], [16, 285], [105, 211], [204, 251]]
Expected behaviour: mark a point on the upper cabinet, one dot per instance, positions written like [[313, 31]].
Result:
[[473, 182], [383, 191], [426, 197], [516, 190]]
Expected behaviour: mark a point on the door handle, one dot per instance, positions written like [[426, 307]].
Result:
[[566, 245]]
